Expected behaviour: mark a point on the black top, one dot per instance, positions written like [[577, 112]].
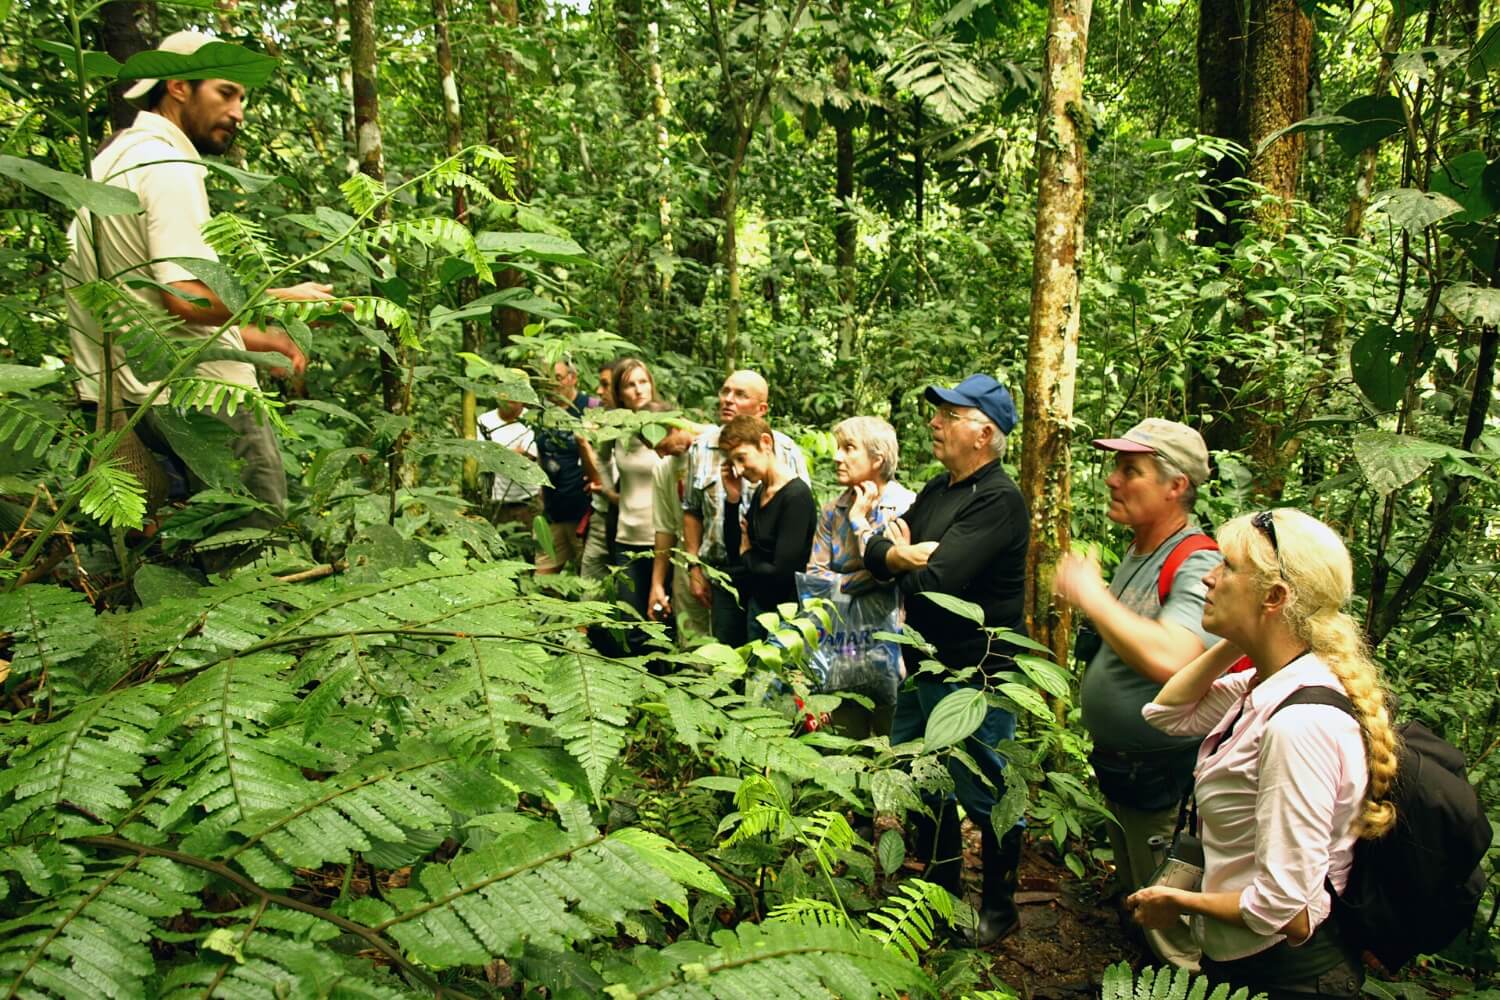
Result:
[[781, 536], [566, 498], [981, 527]]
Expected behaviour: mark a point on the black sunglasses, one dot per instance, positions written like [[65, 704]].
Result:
[[1267, 525]]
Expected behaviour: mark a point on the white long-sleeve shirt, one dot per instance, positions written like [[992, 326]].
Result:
[[1277, 800]]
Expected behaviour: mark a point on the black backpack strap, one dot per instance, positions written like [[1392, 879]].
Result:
[[1319, 695]]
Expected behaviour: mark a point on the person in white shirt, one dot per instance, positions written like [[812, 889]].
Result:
[[1283, 791], [512, 502], [158, 160]]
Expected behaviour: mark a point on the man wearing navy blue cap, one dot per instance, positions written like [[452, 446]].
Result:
[[965, 535]]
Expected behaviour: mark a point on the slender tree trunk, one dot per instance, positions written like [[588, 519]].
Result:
[[919, 164], [660, 108], [345, 77], [1278, 64], [124, 30], [845, 231], [504, 133], [370, 154], [730, 256], [1052, 348], [454, 119]]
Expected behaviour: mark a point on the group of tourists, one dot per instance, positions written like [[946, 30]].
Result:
[[1190, 650], [1195, 646]]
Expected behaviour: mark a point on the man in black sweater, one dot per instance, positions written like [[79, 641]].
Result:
[[966, 536]]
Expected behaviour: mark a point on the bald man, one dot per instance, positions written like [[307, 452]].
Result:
[[710, 504]]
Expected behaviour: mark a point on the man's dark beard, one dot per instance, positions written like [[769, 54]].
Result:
[[207, 145]]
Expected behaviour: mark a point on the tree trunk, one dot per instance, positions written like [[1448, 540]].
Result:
[[370, 155], [124, 30], [453, 118], [845, 231], [730, 257], [1278, 63], [1221, 77], [504, 133], [660, 108], [918, 164], [345, 77], [1052, 347]]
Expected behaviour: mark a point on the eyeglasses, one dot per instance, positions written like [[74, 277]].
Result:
[[948, 415], [1265, 522]]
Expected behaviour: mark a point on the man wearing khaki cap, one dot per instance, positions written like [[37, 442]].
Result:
[[1149, 619], [158, 159]]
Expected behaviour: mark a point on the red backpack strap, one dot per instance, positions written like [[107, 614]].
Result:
[[1196, 542]]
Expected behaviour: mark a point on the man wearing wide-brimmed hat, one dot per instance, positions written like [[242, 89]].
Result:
[[158, 159]]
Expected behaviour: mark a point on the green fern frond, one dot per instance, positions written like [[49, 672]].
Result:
[[828, 834], [88, 759], [49, 626], [147, 336], [908, 918], [810, 913], [371, 309], [492, 691], [438, 231], [230, 766], [92, 939], [386, 798], [274, 965], [362, 192], [26, 429], [769, 961], [590, 701], [537, 884], [198, 393], [243, 246], [111, 494], [491, 161], [1120, 982]]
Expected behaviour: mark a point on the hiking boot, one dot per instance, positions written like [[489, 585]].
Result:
[[1001, 857]]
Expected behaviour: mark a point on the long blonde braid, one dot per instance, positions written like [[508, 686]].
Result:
[[1320, 580]]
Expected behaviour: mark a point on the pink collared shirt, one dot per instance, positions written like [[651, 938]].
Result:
[[1277, 800]]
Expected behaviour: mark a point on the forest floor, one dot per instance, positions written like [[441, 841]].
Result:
[[1068, 935]]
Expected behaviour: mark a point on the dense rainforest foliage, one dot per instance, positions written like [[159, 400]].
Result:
[[386, 762]]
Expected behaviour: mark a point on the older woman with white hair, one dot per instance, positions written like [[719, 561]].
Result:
[[864, 460], [1287, 779]]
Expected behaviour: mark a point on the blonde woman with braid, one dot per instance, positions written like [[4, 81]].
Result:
[[1282, 795]]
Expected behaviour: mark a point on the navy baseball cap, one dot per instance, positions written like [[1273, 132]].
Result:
[[984, 394]]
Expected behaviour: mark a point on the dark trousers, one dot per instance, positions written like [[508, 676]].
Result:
[[729, 621]]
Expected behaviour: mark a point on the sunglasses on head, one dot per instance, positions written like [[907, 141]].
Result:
[[1266, 522]]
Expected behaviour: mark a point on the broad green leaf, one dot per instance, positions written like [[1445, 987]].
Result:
[[1372, 362], [1391, 461], [954, 719], [248, 181], [1462, 179], [1046, 675], [1027, 698], [1371, 119], [95, 64], [890, 851], [71, 190], [219, 278], [541, 246], [215, 61], [1314, 123], [1472, 304], [1415, 210], [957, 606], [1484, 57], [21, 378]]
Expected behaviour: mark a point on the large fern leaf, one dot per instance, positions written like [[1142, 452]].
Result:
[[91, 940], [230, 765], [590, 700], [537, 883], [88, 759], [769, 961], [49, 627], [387, 797]]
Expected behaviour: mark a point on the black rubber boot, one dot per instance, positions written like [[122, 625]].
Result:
[[939, 845], [1001, 856]]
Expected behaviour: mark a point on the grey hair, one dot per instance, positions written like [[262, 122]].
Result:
[[876, 437], [1167, 471], [997, 443]]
